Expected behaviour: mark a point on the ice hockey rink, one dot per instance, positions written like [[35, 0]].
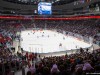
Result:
[[46, 41]]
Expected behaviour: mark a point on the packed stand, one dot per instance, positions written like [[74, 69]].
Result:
[[64, 65], [91, 27], [74, 64], [8, 62]]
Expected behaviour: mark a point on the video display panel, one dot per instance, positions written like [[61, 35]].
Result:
[[44, 8]]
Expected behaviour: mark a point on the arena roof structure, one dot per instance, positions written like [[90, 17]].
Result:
[[59, 7]]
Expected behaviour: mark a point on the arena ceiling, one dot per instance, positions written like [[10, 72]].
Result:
[[59, 7]]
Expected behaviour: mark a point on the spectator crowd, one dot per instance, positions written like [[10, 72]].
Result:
[[74, 64]]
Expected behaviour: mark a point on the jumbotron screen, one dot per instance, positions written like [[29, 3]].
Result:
[[44, 8]]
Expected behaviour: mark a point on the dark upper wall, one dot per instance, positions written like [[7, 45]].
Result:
[[17, 6], [32, 7], [72, 6]]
